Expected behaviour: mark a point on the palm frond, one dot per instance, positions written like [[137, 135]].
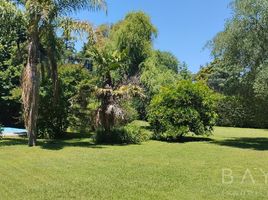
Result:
[[70, 25], [102, 91], [129, 91], [67, 6]]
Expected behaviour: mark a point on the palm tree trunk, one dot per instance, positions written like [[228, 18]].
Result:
[[53, 62], [30, 85], [54, 74]]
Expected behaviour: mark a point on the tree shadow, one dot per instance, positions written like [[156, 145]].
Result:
[[194, 139], [12, 141], [260, 144], [74, 135], [50, 144], [188, 139], [60, 144]]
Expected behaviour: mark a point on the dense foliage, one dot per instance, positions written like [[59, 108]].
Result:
[[12, 42], [135, 132], [231, 112], [240, 66], [134, 36], [117, 54], [159, 70], [54, 119], [182, 108]]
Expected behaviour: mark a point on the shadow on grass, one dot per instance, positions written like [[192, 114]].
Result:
[[194, 139], [60, 144], [260, 144], [50, 144], [189, 139]]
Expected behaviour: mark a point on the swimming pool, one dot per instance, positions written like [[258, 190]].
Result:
[[8, 131]]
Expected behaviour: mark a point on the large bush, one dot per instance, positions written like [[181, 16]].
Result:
[[53, 117], [71, 107], [182, 108], [135, 132]]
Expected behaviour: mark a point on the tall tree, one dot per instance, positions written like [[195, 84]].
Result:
[[112, 91], [168, 60], [41, 14], [134, 36], [241, 47], [241, 58]]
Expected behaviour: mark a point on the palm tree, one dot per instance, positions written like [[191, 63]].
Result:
[[43, 13], [110, 94]]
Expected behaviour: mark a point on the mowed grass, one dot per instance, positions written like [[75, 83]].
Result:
[[78, 169]]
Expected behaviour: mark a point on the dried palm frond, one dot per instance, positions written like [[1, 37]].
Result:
[[70, 25], [129, 91]]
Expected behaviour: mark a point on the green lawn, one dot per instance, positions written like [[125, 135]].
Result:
[[76, 169]]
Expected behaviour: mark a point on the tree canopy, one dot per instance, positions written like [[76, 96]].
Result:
[[240, 64]]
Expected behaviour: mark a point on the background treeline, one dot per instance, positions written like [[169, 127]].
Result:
[[239, 70], [119, 77]]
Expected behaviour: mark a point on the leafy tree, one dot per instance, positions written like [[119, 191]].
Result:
[[168, 60], [78, 85], [12, 57], [70, 110], [260, 85], [182, 108], [231, 112], [159, 70], [219, 78], [241, 53], [240, 47], [241, 44], [157, 73], [184, 71], [133, 36]]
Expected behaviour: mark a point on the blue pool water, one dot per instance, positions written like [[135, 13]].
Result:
[[13, 130]]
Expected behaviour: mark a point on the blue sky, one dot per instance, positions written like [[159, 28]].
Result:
[[184, 26]]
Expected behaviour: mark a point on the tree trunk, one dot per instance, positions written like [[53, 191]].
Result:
[[30, 85], [53, 62], [54, 74]]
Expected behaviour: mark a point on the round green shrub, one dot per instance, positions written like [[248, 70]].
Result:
[[182, 108]]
